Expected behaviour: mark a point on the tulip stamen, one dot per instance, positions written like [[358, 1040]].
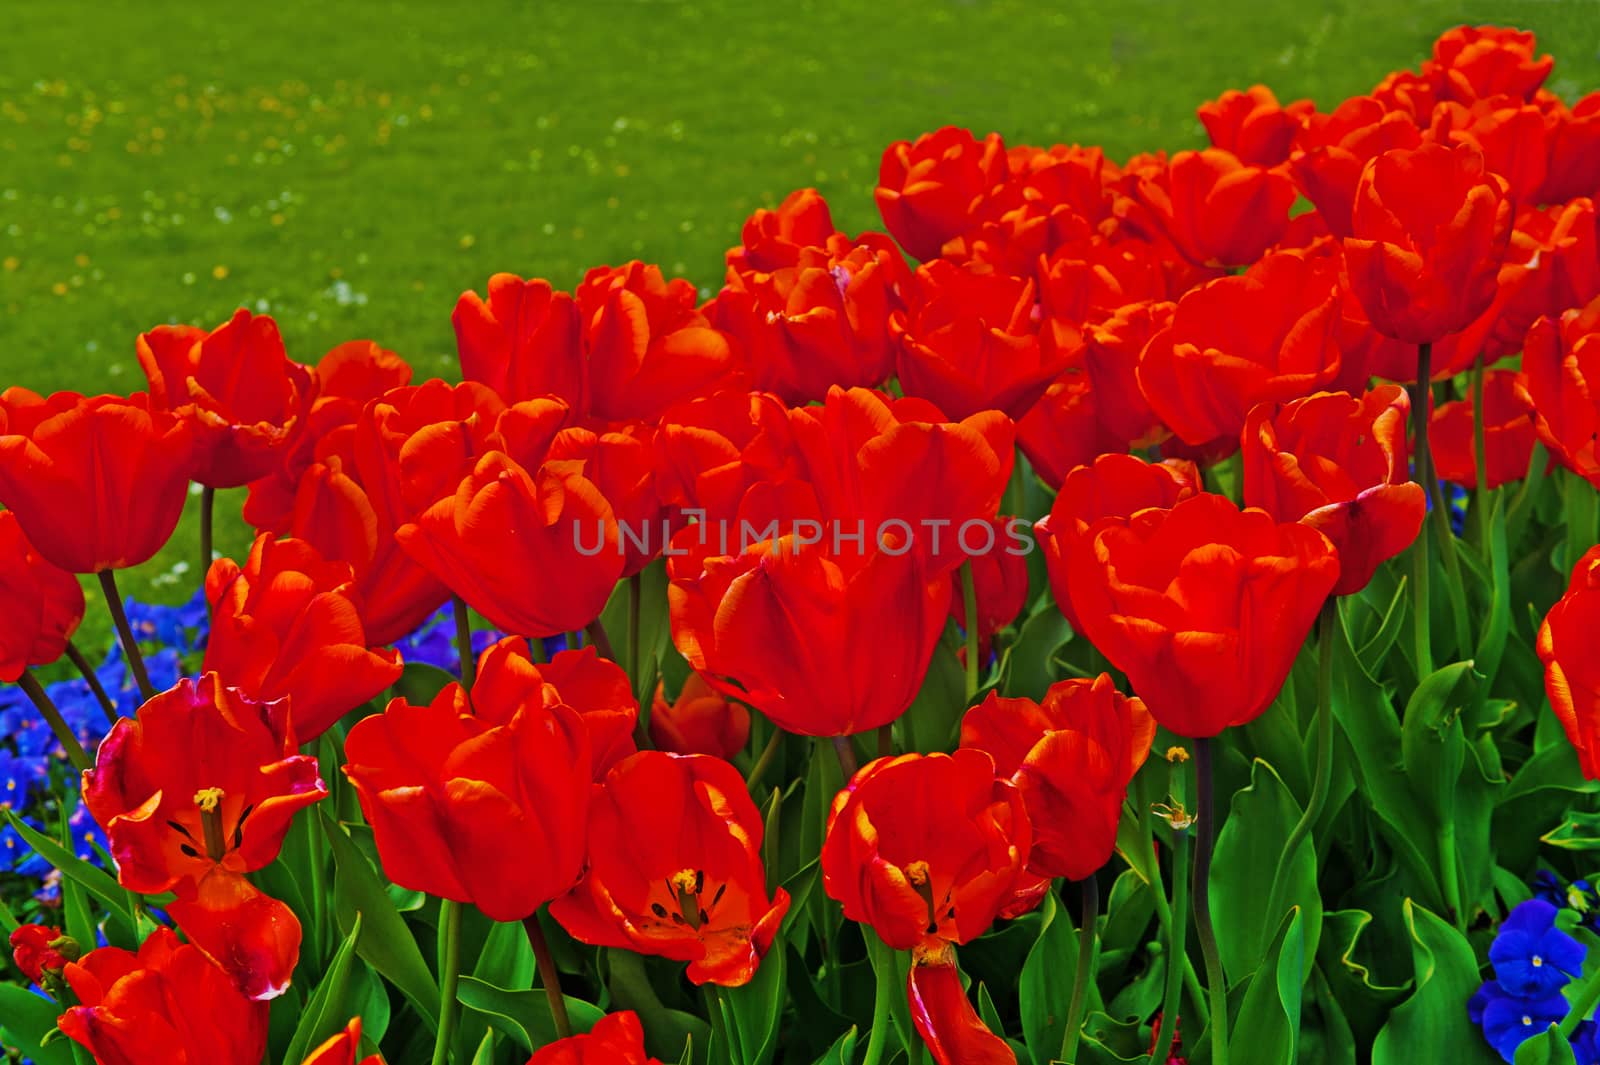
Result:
[[687, 885], [921, 879], [209, 800]]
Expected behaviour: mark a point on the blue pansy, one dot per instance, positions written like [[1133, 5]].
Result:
[[15, 853], [1586, 1043], [19, 778], [1510, 1020], [434, 641], [1531, 956]]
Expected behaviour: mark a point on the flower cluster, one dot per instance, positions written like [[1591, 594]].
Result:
[[1534, 957], [1228, 420]]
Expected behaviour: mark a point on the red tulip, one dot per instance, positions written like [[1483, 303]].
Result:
[[970, 342], [1203, 606], [524, 341], [999, 577], [1573, 142], [41, 952], [944, 1017], [193, 793], [1112, 486], [675, 868], [287, 625], [927, 190], [1253, 125], [1333, 150], [44, 604], [342, 1048], [95, 483], [473, 809], [1339, 464], [774, 239], [700, 720], [1509, 433], [1474, 62], [1570, 677], [1508, 131], [647, 345], [236, 386], [1065, 429], [615, 1039], [1268, 334], [168, 1003], [1429, 232], [1217, 210], [1071, 756], [1558, 363]]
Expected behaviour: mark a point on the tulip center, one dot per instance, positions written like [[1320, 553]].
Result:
[[686, 887], [921, 878], [210, 802]]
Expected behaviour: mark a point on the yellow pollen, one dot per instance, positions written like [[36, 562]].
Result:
[[1177, 754], [917, 872], [684, 881], [1537, 961], [208, 799]]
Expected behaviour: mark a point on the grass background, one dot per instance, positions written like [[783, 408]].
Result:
[[351, 168]]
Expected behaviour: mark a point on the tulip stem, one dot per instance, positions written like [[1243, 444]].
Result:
[[549, 975], [596, 631], [208, 501], [1177, 945], [885, 740], [93, 680], [882, 1005], [1419, 551], [1480, 456], [58, 724], [468, 666], [1216, 985], [449, 976], [1323, 775], [1080, 986], [635, 655], [847, 757], [130, 646], [969, 603], [769, 754]]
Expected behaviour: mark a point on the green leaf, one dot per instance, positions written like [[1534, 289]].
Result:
[[1432, 1024], [1376, 648], [1267, 1029], [485, 1052], [1047, 978], [668, 1033], [843, 1050], [95, 881], [1549, 1047], [894, 966], [1248, 854], [331, 1004], [756, 1009], [933, 723], [1026, 669], [1580, 831], [386, 942], [26, 1020], [524, 1015]]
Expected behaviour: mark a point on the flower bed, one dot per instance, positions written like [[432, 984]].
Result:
[[1153, 628]]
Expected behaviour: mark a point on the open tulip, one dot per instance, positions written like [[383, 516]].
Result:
[[1203, 606], [524, 341], [1253, 125], [1216, 209], [167, 1003], [1474, 62], [1338, 463], [1428, 234], [236, 386], [287, 625], [473, 809], [1071, 756], [95, 483], [195, 791], [675, 868], [44, 604], [1332, 151]]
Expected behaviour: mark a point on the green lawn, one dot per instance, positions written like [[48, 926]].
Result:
[[351, 168]]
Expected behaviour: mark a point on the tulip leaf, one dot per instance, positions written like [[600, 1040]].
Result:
[[331, 1004], [1026, 670], [524, 1015], [1376, 648], [667, 1032], [485, 1052], [1249, 852], [95, 881], [933, 723], [386, 943], [1580, 831], [27, 1021], [1549, 1047], [1108, 1041], [1267, 1028], [1047, 978], [1432, 1024], [756, 1009], [843, 1050]]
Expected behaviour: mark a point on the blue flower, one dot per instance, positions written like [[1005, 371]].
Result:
[[1586, 1043], [1531, 956], [1547, 886], [1510, 1020], [16, 855], [434, 641], [20, 778]]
